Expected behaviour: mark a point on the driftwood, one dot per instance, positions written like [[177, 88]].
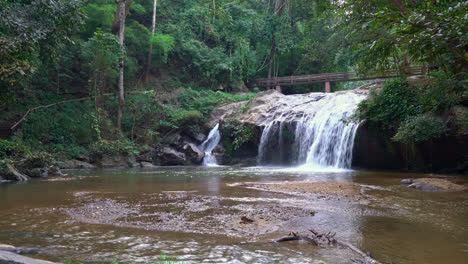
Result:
[[327, 239]]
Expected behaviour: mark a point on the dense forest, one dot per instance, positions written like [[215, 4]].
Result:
[[87, 78]]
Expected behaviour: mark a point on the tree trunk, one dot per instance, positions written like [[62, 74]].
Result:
[[279, 5], [150, 53], [272, 55], [116, 22], [121, 64]]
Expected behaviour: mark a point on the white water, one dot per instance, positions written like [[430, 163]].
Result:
[[209, 144], [312, 131]]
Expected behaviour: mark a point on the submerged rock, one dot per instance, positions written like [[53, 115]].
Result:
[[433, 184]]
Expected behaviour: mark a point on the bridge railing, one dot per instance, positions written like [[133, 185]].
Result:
[[333, 77]]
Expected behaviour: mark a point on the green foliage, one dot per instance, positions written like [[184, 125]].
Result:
[[10, 148], [442, 93], [420, 128], [393, 33], [411, 108], [205, 100], [163, 44], [101, 54], [239, 133], [36, 159], [186, 118], [107, 147], [30, 31], [392, 105]]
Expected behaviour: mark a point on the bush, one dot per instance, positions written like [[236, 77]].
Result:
[[238, 133], [420, 128], [12, 148], [392, 105], [186, 118], [108, 147]]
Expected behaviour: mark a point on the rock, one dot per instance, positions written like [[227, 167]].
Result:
[[111, 161], [132, 163], [13, 258], [145, 164], [74, 164], [193, 153], [38, 172], [222, 112], [406, 181], [169, 156], [8, 248], [200, 137], [15, 175], [146, 156], [435, 184]]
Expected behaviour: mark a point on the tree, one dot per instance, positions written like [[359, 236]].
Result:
[[153, 27], [121, 63], [394, 33], [30, 31]]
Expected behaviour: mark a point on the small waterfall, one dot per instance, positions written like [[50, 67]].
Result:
[[312, 130], [209, 144]]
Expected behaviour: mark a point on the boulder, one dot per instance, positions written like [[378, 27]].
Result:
[[145, 164], [199, 137], [169, 156], [13, 258], [8, 248], [146, 156], [110, 161], [132, 162], [432, 184], [193, 153]]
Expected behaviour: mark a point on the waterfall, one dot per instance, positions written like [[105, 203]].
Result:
[[311, 130], [209, 144]]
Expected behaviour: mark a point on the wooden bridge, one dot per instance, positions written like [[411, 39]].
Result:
[[328, 78]]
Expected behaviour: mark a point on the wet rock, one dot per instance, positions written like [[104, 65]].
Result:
[[145, 164], [406, 181], [13, 258], [9, 248], [38, 172], [132, 163], [146, 156], [435, 184], [200, 137], [169, 156], [74, 164], [109, 161], [193, 153]]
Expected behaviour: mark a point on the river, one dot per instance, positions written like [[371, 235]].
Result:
[[194, 215]]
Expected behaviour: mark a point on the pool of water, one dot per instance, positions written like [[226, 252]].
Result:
[[193, 214]]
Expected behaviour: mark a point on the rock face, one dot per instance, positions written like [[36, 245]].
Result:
[[193, 153], [432, 184], [374, 149], [169, 157]]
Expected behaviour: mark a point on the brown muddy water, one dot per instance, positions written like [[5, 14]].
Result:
[[194, 215]]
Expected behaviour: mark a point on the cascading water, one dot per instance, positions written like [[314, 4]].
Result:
[[209, 144], [312, 130]]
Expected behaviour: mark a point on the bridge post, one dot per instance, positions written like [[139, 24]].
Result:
[[278, 88], [327, 87]]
